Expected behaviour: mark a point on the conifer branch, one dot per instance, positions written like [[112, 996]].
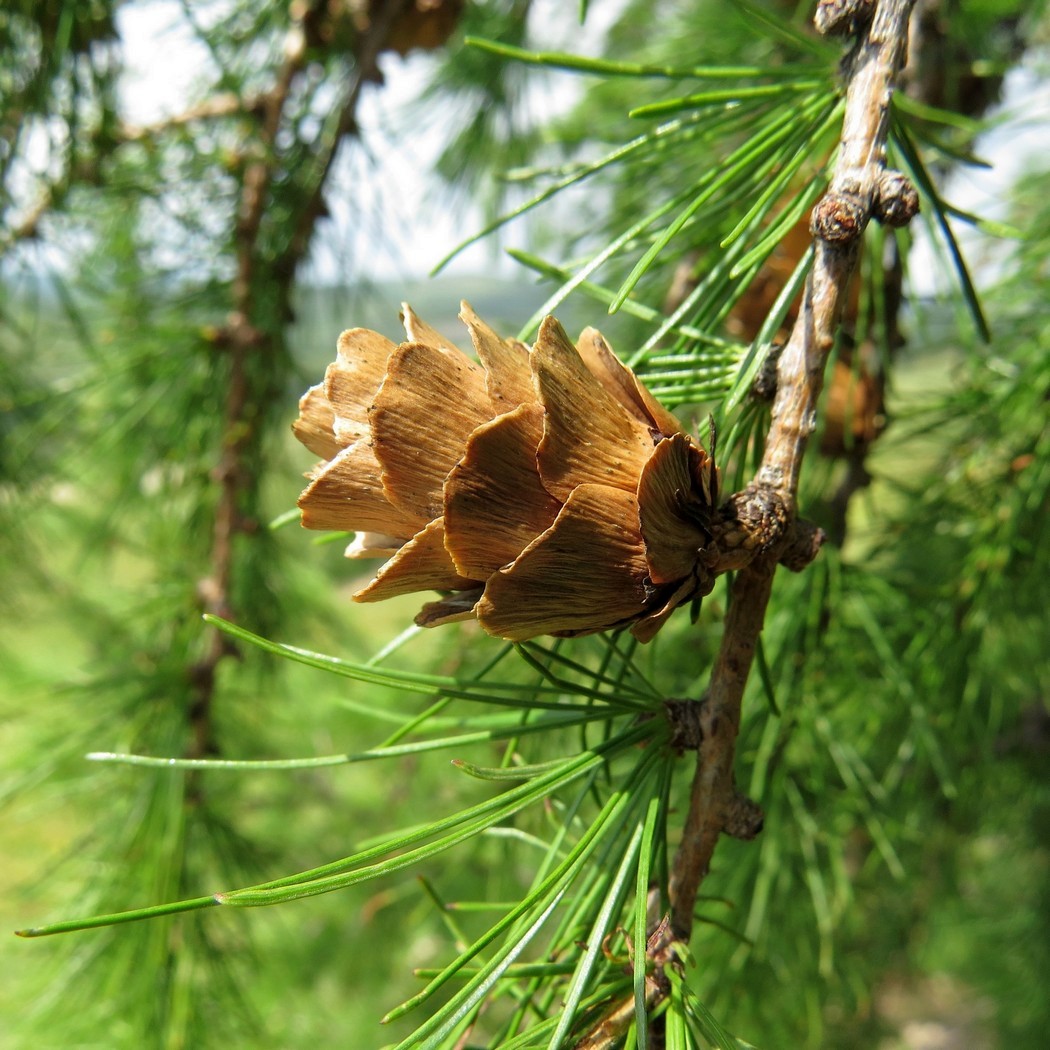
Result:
[[245, 335], [857, 193]]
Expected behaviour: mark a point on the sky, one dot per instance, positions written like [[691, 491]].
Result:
[[1017, 139], [165, 64], [412, 228]]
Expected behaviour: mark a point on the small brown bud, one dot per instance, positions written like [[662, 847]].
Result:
[[842, 17], [764, 385], [743, 818], [838, 218], [803, 545], [896, 200], [687, 733]]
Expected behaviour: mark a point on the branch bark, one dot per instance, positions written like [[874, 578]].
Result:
[[837, 224], [245, 335]]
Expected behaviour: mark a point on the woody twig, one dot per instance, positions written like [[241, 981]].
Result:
[[861, 188]]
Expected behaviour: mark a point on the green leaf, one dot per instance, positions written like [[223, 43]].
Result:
[[750, 157], [765, 678], [512, 728], [620, 153], [751, 364], [425, 683], [652, 833], [471, 822], [95, 922], [431, 1034], [544, 895], [605, 295], [779, 29], [727, 96], [902, 140], [596, 940], [338, 874], [685, 1003], [914, 107], [582, 64]]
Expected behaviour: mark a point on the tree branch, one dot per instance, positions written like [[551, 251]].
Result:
[[244, 335], [856, 193]]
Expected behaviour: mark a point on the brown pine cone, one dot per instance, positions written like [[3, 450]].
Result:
[[542, 490]]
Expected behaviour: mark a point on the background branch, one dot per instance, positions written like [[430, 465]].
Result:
[[247, 333]]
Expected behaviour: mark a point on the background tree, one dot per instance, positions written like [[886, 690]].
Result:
[[896, 698]]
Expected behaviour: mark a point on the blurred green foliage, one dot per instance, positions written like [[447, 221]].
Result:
[[896, 739]]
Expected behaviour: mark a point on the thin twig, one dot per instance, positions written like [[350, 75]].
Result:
[[371, 45], [838, 222], [227, 104]]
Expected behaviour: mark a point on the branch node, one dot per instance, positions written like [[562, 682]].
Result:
[[843, 17], [684, 718], [764, 385], [838, 218], [896, 200], [803, 545], [754, 520], [743, 818]]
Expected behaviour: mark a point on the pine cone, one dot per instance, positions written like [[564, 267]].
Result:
[[543, 491]]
